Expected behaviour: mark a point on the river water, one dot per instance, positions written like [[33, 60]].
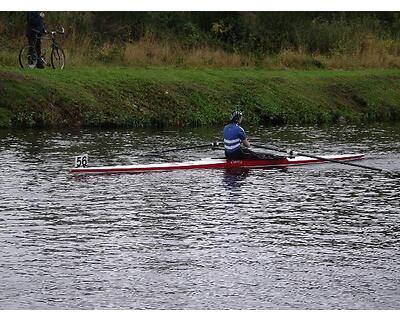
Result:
[[315, 237]]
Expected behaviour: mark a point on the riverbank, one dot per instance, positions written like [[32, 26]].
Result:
[[128, 97]]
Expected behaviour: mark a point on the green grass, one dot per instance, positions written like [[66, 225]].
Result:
[[115, 96]]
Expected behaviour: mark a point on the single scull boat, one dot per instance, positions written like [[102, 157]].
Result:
[[214, 164]]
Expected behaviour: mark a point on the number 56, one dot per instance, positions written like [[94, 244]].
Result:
[[81, 161]]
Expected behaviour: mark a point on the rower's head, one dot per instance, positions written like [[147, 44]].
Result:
[[236, 116]]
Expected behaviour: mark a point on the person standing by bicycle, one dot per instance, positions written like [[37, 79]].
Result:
[[34, 30]]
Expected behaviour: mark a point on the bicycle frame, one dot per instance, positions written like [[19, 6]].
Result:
[[50, 36]]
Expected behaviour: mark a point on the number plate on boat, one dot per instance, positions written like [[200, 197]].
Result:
[[81, 161]]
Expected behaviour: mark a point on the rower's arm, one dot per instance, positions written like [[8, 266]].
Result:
[[246, 143]]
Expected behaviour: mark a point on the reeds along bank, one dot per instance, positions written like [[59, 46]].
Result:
[[219, 39]]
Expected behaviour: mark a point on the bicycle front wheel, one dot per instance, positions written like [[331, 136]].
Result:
[[27, 57], [57, 58]]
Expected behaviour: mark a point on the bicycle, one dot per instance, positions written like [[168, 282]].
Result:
[[28, 55]]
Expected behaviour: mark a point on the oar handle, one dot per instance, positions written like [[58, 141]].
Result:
[[213, 145], [288, 151]]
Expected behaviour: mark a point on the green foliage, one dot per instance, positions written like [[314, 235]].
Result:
[[249, 32], [5, 118], [193, 36]]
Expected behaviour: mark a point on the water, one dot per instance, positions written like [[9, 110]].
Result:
[[314, 237]]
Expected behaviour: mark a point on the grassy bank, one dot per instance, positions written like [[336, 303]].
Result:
[[100, 96]]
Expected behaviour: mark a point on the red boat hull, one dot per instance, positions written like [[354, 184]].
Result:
[[213, 164]]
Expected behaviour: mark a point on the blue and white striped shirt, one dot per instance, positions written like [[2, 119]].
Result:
[[233, 136]]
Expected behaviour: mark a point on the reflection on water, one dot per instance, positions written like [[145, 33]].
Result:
[[235, 177], [321, 236]]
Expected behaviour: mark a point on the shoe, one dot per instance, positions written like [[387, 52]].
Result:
[[40, 63]]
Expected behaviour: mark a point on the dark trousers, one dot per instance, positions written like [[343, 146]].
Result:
[[243, 154], [247, 154], [35, 44]]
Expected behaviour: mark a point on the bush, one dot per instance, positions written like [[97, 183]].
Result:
[[109, 53]]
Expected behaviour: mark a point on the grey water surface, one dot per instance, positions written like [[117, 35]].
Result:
[[313, 237]]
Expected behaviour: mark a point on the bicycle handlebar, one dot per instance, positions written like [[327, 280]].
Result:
[[61, 31]]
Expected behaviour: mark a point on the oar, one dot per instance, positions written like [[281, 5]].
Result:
[[291, 152], [211, 145]]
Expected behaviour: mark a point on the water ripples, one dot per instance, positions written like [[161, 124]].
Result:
[[317, 237]]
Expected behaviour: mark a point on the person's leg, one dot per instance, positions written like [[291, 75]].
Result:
[[236, 155], [38, 48], [247, 154], [31, 50], [251, 155]]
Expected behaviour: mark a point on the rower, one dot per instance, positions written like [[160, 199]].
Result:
[[235, 137]]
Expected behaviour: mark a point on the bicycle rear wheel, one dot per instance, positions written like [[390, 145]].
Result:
[[57, 58], [27, 57]]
